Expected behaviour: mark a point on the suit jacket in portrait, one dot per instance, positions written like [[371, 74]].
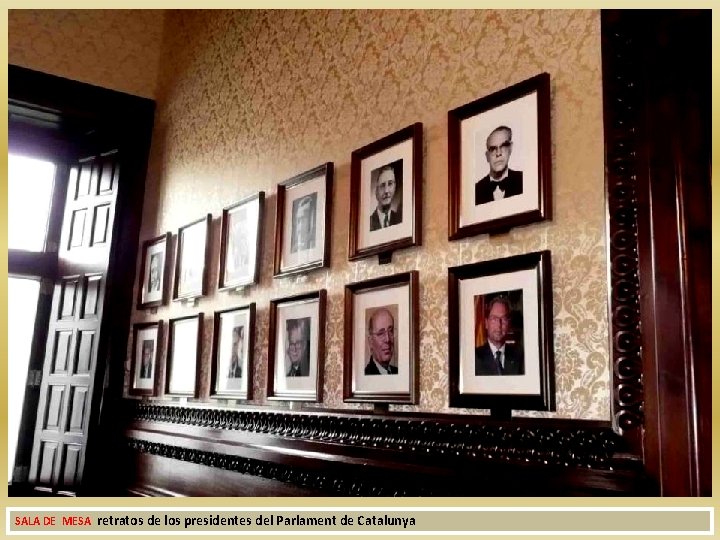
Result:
[[394, 218], [372, 369], [235, 371], [146, 371], [302, 368], [485, 363], [511, 185]]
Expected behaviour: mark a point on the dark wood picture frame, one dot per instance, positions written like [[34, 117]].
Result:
[[502, 403], [202, 290], [276, 394], [323, 261], [228, 211], [539, 85], [169, 354], [413, 133], [142, 302], [350, 391], [246, 392], [133, 390]]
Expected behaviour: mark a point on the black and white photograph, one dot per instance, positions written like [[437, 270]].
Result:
[[153, 275], [303, 230], [499, 160], [183, 356], [302, 221], [191, 259], [386, 194], [240, 242], [297, 347], [143, 373], [381, 340], [386, 187], [297, 350], [500, 334], [233, 352]]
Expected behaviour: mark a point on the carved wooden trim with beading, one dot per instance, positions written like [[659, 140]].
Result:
[[623, 113], [537, 442], [320, 481]]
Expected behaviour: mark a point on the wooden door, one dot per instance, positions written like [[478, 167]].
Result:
[[69, 368]]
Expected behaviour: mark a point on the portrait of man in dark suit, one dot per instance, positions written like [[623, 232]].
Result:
[[153, 284], [148, 347], [381, 343], [496, 356], [235, 370], [501, 182], [302, 232], [298, 347], [386, 185]]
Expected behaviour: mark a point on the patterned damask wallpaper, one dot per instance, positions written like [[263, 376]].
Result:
[[117, 49], [249, 98]]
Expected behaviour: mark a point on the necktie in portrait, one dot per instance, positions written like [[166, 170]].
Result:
[[498, 360]]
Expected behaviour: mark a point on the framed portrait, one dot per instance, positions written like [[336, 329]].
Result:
[[381, 340], [302, 221], [146, 352], [499, 160], [386, 194], [296, 350], [233, 351], [154, 268], [183, 356], [501, 334], [191, 259], [240, 242]]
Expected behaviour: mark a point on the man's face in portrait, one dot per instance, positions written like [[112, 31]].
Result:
[[382, 337], [497, 324], [499, 148], [296, 344], [385, 189]]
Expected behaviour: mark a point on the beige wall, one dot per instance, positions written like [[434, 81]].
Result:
[[247, 99], [116, 49]]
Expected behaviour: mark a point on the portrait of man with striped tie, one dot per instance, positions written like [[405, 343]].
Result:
[[500, 354]]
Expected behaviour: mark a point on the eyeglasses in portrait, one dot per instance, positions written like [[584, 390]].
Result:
[[499, 160], [381, 341], [296, 350], [500, 334]]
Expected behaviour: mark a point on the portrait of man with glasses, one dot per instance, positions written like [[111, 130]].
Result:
[[498, 355], [298, 347], [381, 342], [501, 181]]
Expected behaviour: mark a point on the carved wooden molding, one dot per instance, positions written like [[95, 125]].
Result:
[[623, 114], [331, 483], [565, 443]]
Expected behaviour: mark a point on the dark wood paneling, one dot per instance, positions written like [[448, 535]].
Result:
[[168, 477], [656, 73], [393, 455]]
